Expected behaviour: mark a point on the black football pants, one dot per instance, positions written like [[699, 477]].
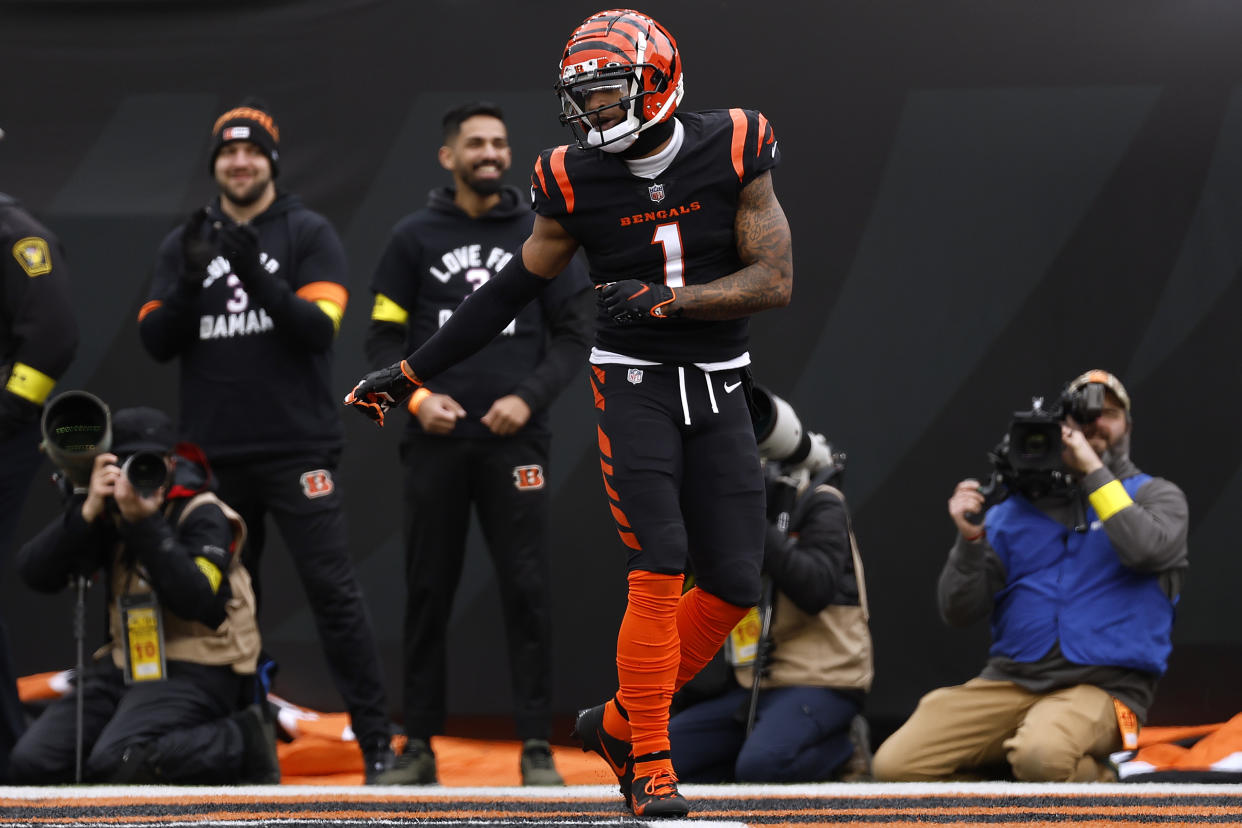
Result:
[[303, 495], [505, 479], [682, 474]]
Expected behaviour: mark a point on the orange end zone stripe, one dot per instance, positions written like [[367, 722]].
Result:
[[148, 307], [739, 140], [562, 178], [325, 291]]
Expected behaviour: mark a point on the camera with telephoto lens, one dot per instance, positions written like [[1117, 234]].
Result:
[[146, 471], [1028, 458], [782, 439]]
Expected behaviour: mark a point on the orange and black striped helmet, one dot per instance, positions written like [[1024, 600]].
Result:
[[619, 50]]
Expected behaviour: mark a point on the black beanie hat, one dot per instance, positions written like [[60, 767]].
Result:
[[248, 122]]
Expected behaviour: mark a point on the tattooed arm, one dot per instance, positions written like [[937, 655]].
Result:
[[763, 243]]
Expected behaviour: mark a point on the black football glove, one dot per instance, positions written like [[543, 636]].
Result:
[[197, 251], [631, 300], [240, 245], [380, 390]]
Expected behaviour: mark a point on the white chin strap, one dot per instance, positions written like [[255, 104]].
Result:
[[615, 139]]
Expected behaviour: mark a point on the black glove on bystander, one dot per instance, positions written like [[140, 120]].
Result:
[[197, 251]]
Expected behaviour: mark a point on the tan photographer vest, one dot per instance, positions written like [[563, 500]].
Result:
[[235, 642], [829, 649]]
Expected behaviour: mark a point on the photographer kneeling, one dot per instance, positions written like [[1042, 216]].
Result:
[[1081, 597], [170, 698], [816, 665]]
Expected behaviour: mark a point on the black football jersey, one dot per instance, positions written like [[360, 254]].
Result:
[[676, 229]]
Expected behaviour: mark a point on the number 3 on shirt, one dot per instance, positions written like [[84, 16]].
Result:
[[669, 235]]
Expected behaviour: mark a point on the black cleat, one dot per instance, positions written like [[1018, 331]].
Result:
[[590, 733], [656, 796]]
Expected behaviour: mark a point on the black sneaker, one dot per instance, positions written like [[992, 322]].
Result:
[[537, 765], [416, 766], [590, 733], [656, 796], [377, 758]]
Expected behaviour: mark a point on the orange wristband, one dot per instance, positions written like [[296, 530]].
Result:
[[416, 399]]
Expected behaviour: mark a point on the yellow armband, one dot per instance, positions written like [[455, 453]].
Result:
[[1109, 499]]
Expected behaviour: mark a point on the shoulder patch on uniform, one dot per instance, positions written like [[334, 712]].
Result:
[[33, 255]]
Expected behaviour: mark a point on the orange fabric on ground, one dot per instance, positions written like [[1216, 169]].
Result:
[[459, 763]]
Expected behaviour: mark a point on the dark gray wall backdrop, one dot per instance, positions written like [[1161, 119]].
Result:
[[986, 199]]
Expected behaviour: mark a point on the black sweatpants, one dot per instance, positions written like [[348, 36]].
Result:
[[184, 719], [304, 497], [682, 474], [505, 479], [21, 459]]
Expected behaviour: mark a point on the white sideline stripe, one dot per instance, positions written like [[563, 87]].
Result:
[[418, 793]]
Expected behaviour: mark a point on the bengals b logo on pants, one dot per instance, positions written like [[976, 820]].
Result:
[[527, 478], [317, 483]]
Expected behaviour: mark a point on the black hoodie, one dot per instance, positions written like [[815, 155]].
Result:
[[435, 259], [255, 370]]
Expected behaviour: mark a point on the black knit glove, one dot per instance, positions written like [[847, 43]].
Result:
[[240, 245], [197, 251]]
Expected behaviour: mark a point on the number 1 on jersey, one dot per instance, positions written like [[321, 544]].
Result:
[[669, 235]]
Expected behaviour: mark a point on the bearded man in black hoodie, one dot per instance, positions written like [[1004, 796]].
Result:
[[479, 434], [249, 295]]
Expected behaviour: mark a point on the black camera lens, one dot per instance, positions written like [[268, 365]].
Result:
[[146, 472], [1034, 444]]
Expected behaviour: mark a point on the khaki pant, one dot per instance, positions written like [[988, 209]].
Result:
[[960, 732]]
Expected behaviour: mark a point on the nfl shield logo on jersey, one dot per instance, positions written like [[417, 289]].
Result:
[[634, 375], [656, 191]]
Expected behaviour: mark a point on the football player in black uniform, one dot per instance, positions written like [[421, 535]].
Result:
[[38, 338], [247, 294], [479, 434], [685, 239]]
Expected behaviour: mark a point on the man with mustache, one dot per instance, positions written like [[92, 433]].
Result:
[[248, 297], [479, 434]]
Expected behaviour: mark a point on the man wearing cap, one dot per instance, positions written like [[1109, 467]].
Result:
[[248, 296], [1081, 614], [38, 338], [169, 698]]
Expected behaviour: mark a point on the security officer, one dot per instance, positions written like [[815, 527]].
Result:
[[38, 338]]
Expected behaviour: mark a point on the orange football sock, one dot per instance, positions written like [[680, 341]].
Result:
[[703, 623], [648, 654]]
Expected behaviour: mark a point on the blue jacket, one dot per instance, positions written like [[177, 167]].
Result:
[[1071, 587]]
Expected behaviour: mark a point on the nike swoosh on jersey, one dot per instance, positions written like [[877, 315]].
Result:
[[729, 389]]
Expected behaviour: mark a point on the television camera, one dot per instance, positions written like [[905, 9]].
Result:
[[1028, 458]]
